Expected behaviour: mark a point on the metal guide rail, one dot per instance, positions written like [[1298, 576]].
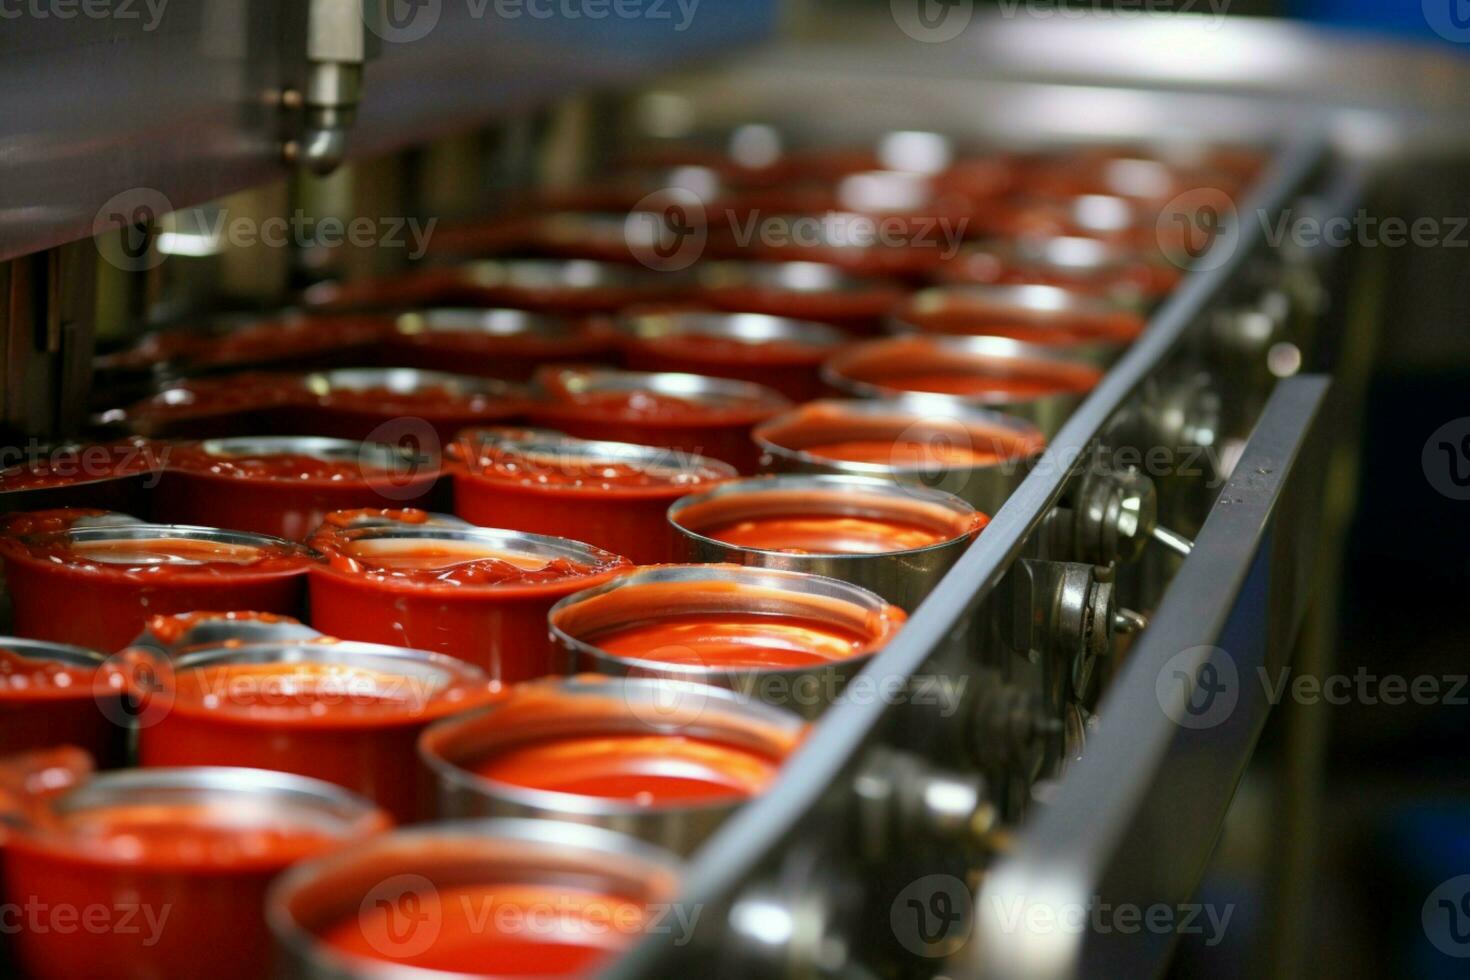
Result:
[[865, 858]]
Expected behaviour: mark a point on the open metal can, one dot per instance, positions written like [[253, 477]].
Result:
[[786, 638], [896, 540], [499, 897], [1043, 385], [186, 854], [663, 760], [975, 454], [610, 494], [478, 594]]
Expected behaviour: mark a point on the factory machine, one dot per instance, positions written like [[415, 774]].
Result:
[[1081, 260]]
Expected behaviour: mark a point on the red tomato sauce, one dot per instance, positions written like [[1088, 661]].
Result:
[[961, 382], [910, 454], [290, 467], [27, 678], [160, 557], [571, 471], [646, 769], [734, 640], [450, 565], [188, 836], [828, 534], [502, 929]]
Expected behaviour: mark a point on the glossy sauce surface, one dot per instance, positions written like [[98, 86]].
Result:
[[190, 835], [457, 564], [960, 382], [916, 454], [159, 556], [501, 929], [291, 467], [23, 677], [318, 693], [645, 769], [572, 471], [733, 640], [830, 534]]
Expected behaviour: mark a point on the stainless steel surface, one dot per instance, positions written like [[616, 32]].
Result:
[[220, 629], [163, 105], [1175, 730], [412, 866], [582, 707], [404, 381], [933, 427], [806, 690], [904, 578]]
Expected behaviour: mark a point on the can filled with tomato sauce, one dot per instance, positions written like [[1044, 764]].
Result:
[[285, 485], [185, 854], [55, 694], [609, 494], [477, 890], [895, 540], [1087, 265], [96, 586], [344, 712], [799, 291], [494, 343], [212, 407], [666, 761], [777, 352], [1086, 327], [786, 638], [974, 454], [1043, 385], [479, 594], [688, 412], [383, 403], [567, 286]]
